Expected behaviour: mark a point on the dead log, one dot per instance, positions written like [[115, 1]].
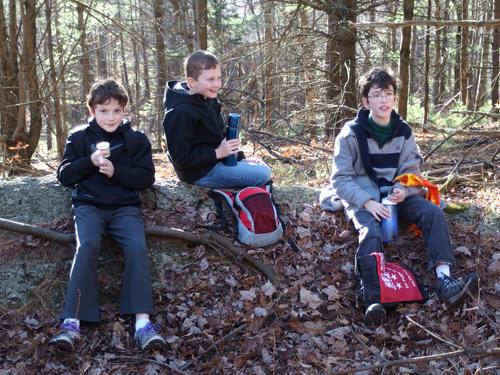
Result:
[[211, 239]]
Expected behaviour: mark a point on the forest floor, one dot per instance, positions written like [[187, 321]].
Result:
[[219, 319]]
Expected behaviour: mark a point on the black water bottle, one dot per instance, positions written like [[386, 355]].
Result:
[[233, 120]]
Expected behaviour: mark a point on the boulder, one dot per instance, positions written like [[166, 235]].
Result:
[[42, 200]]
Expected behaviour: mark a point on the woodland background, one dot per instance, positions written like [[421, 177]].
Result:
[[289, 68]]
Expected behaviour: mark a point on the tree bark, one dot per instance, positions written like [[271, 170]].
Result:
[[161, 64], [9, 74], [85, 63], [268, 6], [427, 64], [340, 63], [201, 22], [54, 83], [182, 24], [438, 70], [30, 52], [495, 71], [463, 55], [458, 43], [404, 59], [310, 96]]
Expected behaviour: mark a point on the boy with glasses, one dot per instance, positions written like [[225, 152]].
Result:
[[370, 151]]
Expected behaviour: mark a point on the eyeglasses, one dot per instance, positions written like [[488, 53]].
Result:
[[382, 95]]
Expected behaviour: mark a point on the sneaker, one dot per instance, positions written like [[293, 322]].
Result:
[[375, 315], [148, 339], [65, 339], [451, 290]]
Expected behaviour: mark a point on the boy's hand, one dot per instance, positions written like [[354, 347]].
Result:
[[106, 167], [96, 158], [378, 210], [227, 148], [398, 195]]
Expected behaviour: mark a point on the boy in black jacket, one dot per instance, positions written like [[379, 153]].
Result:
[[195, 130], [107, 163]]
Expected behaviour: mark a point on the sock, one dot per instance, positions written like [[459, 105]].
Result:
[[72, 321], [442, 269], [140, 323]]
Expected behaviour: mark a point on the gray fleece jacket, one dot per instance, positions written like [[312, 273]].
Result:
[[363, 170]]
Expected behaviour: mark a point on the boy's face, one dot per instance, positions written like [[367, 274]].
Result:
[[207, 84], [380, 102], [108, 115]]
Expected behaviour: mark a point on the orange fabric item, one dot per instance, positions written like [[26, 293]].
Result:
[[413, 180]]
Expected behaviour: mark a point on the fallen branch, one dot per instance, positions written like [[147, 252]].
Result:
[[212, 240], [470, 352], [212, 347], [142, 359], [451, 135]]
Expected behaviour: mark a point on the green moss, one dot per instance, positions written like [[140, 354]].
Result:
[[456, 208]]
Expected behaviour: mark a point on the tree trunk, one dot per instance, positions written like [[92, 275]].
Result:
[[161, 62], [310, 96], [181, 24], [201, 22], [438, 66], [480, 94], [445, 56], [404, 59], [84, 61], [463, 54], [427, 59], [495, 71], [268, 63], [458, 43], [54, 84], [29, 53], [101, 52], [340, 64], [9, 94]]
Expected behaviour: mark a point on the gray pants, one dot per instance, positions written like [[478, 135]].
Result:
[[126, 227], [428, 217]]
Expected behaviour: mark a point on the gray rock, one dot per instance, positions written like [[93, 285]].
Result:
[[38, 200]]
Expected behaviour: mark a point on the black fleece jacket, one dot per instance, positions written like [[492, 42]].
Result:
[[131, 157], [194, 128]]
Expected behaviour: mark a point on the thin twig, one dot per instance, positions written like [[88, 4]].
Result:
[[141, 359], [433, 334], [471, 352], [213, 346], [451, 135]]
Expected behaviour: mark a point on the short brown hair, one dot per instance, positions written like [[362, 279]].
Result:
[[379, 77], [104, 90], [198, 61]]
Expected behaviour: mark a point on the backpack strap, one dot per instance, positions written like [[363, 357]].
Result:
[[221, 197]]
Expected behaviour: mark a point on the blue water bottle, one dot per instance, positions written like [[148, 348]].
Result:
[[233, 120], [390, 225]]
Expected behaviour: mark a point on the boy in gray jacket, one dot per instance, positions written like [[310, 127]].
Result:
[[370, 151]]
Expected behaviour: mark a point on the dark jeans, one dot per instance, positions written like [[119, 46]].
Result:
[[126, 227], [428, 217]]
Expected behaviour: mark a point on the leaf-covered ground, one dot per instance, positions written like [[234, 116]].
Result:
[[220, 319]]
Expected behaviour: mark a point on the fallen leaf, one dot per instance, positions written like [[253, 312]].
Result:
[[315, 328], [247, 295], [494, 267], [260, 311], [331, 292], [463, 250], [309, 298], [268, 289]]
